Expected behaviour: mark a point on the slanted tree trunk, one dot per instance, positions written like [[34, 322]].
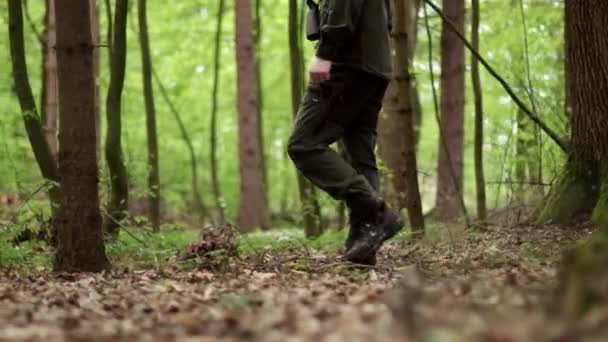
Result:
[[450, 163], [199, 204], [582, 188], [119, 197], [153, 172], [480, 183], [215, 182], [31, 119], [312, 221], [399, 107], [80, 239], [253, 209]]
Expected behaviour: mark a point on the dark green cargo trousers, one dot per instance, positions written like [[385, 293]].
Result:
[[342, 109]]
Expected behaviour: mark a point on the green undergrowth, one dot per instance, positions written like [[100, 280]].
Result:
[[140, 249]]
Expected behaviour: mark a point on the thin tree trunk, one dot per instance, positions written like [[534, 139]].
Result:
[[50, 105], [31, 120], [450, 163], [535, 162], [522, 156], [401, 106], [215, 183], [260, 89], [95, 31], [80, 246], [110, 31], [153, 172], [253, 209], [480, 182], [312, 221], [119, 197], [200, 206]]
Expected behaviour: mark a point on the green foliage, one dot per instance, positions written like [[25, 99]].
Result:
[[31, 255], [141, 248], [284, 239], [181, 36]]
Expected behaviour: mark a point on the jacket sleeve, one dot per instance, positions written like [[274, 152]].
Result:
[[339, 20]]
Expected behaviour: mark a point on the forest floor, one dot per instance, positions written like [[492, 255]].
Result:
[[492, 285]]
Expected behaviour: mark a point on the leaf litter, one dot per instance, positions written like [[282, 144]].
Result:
[[489, 286]]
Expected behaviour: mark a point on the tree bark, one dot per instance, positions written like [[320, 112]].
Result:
[[50, 105], [31, 119], [215, 183], [95, 31], [153, 172], [390, 126], [311, 220], [80, 246], [119, 197], [260, 93], [480, 183], [582, 188], [450, 163], [399, 108], [253, 210]]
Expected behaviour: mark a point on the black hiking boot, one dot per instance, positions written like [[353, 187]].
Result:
[[361, 208], [367, 236], [354, 234]]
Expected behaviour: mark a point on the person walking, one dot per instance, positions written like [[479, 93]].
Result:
[[349, 75]]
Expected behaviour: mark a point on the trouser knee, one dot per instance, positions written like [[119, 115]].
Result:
[[295, 149]]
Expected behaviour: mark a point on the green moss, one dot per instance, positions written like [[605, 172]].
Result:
[[600, 212], [571, 196]]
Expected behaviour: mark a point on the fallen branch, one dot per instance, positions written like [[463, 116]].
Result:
[[533, 116]]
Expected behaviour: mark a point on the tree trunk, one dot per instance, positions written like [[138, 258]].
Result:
[[95, 31], [397, 127], [153, 174], [253, 211], [119, 197], [110, 31], [522, 156], [312, 221], [260, 91], [31, 120], [50, 105], [582, 188], [215, 183], [80, 246], [200, 206], [450, 166], [480, 182]]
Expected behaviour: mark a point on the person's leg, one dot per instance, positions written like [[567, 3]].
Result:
[[359, 144], [325, 114]]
